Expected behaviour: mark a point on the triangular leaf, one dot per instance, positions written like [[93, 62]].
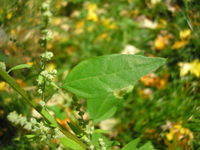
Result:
[[104, 79], [104, 74]]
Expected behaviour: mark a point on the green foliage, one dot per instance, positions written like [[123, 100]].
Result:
[[103, 80], [163, 107], [67, 142], [133, 145]]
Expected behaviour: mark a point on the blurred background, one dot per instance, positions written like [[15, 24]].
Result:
[[163, 108]]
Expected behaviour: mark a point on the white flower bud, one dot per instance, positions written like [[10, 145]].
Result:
[[40, 91], [47, 56], [91, 147], [48, 34], [13, 116], [54, 72], [45, 6], [47, 14], [22, 120], [33, 121], [28, 126]]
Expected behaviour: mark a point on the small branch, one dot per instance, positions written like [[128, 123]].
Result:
[[48, 118]]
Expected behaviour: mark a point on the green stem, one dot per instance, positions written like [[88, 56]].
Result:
[[43, 112]]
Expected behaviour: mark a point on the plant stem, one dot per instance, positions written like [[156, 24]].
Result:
[[43, 112]]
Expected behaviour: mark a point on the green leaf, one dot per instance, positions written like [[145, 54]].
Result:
[[102, 107], [21, 66], [105, 79], [100, 131], [147, 146], [134, 144], [68, 143], [131, 145], [104, 74], [97, 136]]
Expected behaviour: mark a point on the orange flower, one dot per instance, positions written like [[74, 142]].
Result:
[[179, 44], [153, 80], [149, 79], [70, 50], [102, 36], [21, 83]]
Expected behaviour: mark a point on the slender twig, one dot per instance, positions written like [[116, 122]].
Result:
[[44, 113]]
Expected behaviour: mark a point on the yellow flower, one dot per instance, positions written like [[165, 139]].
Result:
[[79, 27], [3, 86], [92, 12], [90, 28], [102, 36], [161, 42], [51, 66], [179, 133], [195, 68], [92, 16], [192, 67], [91, 7], [185, 33], [169, 136], [56, 21], [184, 68], [80, 24], [108, 24], [162, 23], [179, 44], [178, 126], [9, 15]]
